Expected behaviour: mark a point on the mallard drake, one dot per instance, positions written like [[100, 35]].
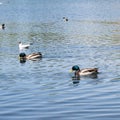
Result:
[[84, 72], [23, 57], [22, 46]]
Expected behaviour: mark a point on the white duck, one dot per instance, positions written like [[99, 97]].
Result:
[[22, 46]]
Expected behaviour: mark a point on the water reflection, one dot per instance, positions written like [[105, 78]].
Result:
[[24, 60], [92, 76], [75, 81]]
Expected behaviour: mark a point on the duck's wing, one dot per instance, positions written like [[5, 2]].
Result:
[[26, 46], [91, 70], [34, 55]]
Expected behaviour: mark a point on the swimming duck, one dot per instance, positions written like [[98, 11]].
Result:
[[21, 46], [2, 26], [65, 19], [84, 72], [23, 57]]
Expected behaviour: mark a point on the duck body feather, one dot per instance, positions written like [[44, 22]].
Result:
[[34, 56], [88, 71]]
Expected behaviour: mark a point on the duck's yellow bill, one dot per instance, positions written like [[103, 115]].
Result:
[[70, 70]]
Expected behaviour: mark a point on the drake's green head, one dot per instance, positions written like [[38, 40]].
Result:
[[22, 55], [75, 68]]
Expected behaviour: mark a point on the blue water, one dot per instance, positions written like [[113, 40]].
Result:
[[53, 10], [44, 89]]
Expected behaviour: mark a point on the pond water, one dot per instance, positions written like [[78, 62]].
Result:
[[44, 89]]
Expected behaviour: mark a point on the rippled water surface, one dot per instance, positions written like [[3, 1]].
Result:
[[44, 89]]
